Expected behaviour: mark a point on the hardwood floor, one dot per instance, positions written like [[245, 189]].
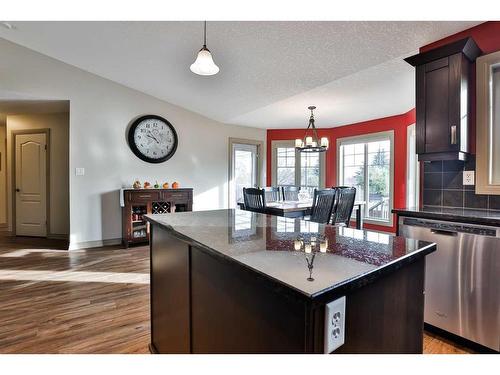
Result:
[[53, 301], [86, 301]]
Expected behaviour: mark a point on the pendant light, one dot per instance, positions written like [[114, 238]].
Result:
[[204, 64], [311, 143]]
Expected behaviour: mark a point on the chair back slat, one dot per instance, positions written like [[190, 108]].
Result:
[[290, 193], [255, 199], [273, 194], [323, 202], [344, 205]]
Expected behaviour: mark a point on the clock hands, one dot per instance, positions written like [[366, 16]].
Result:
[[150, 135]]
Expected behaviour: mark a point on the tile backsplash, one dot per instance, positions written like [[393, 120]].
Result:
[[442, 186]]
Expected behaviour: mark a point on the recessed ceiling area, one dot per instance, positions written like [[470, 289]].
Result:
[[24, 107], [17, 107], [269, 71]]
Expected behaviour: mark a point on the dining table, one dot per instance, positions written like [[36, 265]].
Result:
[[303, 208]]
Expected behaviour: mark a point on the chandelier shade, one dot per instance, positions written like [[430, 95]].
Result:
[[311, 142]]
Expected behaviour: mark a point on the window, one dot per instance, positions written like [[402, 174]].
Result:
[[290, 167], [309, 169], [366, 162], [285, 171], [488, 124]]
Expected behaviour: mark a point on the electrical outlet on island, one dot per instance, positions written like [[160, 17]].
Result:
[[334, 324]]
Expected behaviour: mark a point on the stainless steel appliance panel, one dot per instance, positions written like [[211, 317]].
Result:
[[462, 284]]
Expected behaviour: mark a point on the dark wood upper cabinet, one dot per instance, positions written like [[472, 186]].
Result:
[[443, 84]]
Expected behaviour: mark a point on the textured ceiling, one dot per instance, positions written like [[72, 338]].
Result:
[[270, 71]]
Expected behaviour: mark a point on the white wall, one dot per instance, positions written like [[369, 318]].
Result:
[[3, 172], [100, 112], [58, 123]]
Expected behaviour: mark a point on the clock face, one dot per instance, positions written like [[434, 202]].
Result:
[[152, 139]]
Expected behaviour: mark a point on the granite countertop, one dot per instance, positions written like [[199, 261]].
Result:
[[462, 215], [266, 244]]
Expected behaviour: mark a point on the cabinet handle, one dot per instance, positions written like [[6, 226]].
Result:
[[454, 135], [145, 196]]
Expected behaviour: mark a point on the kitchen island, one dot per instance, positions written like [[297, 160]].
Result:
[[233, 281]]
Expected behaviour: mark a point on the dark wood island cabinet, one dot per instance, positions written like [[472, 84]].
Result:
[[232, 281]]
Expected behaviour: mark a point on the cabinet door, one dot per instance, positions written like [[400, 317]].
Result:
[[433, 108]]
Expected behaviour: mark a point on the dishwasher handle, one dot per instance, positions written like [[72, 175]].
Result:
[[444, 232]]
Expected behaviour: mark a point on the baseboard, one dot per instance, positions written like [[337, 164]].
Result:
[[459, 340], [54, 236], [92, 244]]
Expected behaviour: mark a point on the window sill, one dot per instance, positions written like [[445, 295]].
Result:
[[384, 223]]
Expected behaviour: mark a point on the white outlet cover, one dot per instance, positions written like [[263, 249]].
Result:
[[80, 171], [334, 324], [468, 178]]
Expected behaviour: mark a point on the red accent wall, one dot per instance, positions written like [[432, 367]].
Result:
[[487, 37], [397, 123]]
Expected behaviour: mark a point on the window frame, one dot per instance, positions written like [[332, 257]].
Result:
[[231, 173], [366, 138], [291, 144]]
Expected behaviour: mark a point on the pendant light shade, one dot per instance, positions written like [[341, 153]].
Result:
[[204, 64]]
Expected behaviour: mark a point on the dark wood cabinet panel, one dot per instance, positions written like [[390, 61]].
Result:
[[436, 94], [442, 100], [170, 288]]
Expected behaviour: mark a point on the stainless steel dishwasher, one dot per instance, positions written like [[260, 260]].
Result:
[[462, 280]]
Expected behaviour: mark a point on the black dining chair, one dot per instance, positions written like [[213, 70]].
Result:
[[273, 194], [290, 193], [254, 199], [344, 204], [323, 202]]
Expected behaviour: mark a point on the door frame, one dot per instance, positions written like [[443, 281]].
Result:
[[260, 146], [15, 133]]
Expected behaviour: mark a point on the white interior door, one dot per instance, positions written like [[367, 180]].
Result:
[[31, 184], [244, 170]]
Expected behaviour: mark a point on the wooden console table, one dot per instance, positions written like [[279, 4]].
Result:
[[138, 202]]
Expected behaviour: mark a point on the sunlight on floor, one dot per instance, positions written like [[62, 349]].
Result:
[[24, 252], [75, 276]]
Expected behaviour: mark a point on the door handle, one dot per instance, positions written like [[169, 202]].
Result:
[[454, 135], [18, 190], [444, 232]]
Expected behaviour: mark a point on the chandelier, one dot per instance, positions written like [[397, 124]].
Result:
[[311, 142]]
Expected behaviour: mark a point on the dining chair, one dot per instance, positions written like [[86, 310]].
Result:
[[254, 199], [323, 202], [290, 193], [273, 194], [344, 205]]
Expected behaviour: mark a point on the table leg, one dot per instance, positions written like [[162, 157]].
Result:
[[359, 217]]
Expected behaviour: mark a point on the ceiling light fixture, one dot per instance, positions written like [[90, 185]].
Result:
[[204, 64], [311, 143]]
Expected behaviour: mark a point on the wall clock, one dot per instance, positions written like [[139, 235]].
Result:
[[152, 139]]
